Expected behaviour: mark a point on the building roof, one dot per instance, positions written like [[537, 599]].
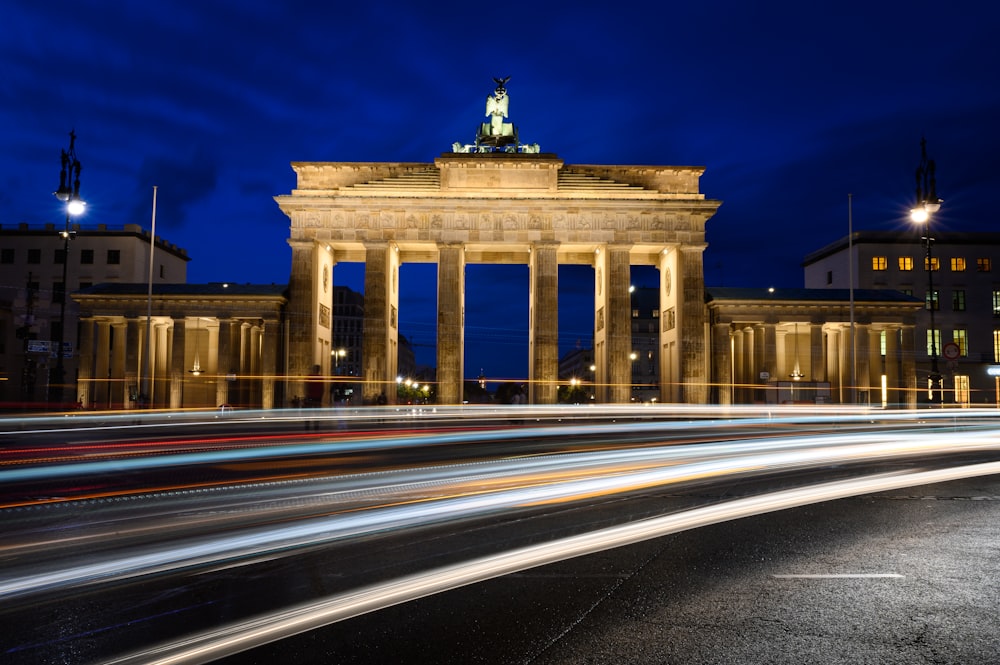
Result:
[[209, 289], [904, 236], [719, 293]]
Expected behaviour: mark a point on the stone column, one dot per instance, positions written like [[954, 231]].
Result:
[[543, 332], [300, 312], [226, 365], [601, 391], [908, 366], [875, 364], [116, 386], [722, 363], [749, 365], [861, 359], [770, 358], [691, 325], [738, 366], [177, 372], [102, 367], [269, 362], [781, 368], [619, 323], [450, 322], [817, 357], [85, 376], [132, 354], [892, 366], [380, 332], [833, 364]]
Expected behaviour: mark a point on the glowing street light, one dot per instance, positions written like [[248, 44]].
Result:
[[68, 193], [928, 203]]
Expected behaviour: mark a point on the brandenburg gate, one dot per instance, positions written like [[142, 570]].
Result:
[[499, 201]]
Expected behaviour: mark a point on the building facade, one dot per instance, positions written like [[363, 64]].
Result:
[[186, 346], [965, 298], [31, 272], [786, 346]]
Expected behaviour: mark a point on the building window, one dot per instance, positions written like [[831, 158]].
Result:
[[958, 300], [962, 392], [34, 256], [60, 257], [983, 265], [58, 289], [934, 335], [86, 256], [162, 273], [931, 300], [7, 255], [881, 342], [656, 313], [829, 277], [114, 257], [961, 337], [996, 303], [961, 389], [906, 263], [635, 314], [957, 264], [935, 263], [86, 285], [908, 292], [879, 263], [996, 346]]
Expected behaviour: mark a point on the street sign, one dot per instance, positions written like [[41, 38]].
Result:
[[951, 351], [39, 345]]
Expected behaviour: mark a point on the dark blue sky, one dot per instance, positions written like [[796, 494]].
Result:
[[790, 106]]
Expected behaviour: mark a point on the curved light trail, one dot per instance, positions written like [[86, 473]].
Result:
[[494, 472]]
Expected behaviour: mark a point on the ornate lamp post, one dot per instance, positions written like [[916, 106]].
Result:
[[68, 193], [928, 203]]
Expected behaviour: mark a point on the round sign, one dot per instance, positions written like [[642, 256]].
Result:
[[951, 351]]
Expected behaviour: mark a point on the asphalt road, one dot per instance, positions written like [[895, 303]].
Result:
[[910, 576]]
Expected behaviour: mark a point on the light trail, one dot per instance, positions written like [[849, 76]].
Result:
[[241, 636], [603, 477]]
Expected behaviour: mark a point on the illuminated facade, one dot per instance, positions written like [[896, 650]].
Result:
[[31, 272], [966, 299]]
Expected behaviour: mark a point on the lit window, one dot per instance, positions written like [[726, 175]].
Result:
[[962, 392], [931, 300], [958, 300], [996, 346], [935, 263], [960, 337], [635, 314], [906, 263], [957, 264], [656, 313], [983, 265], [996, 303], [879, 263], [934, 335]]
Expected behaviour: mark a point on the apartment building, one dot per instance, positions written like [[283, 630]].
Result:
[[965, 297], [32, 263]]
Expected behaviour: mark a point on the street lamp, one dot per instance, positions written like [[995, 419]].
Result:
[[928, 203], [68, 193]]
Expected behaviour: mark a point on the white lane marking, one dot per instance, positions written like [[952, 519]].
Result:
[[838, 576]]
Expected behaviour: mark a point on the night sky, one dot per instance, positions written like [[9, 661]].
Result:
[[790, 106]]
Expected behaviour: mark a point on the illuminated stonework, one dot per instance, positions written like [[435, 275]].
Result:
[[503, 208]]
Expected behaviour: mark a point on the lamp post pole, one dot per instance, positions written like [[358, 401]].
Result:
[[68, 193], [928, 203]]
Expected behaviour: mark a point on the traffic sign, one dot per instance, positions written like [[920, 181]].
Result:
[[951, 351]]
